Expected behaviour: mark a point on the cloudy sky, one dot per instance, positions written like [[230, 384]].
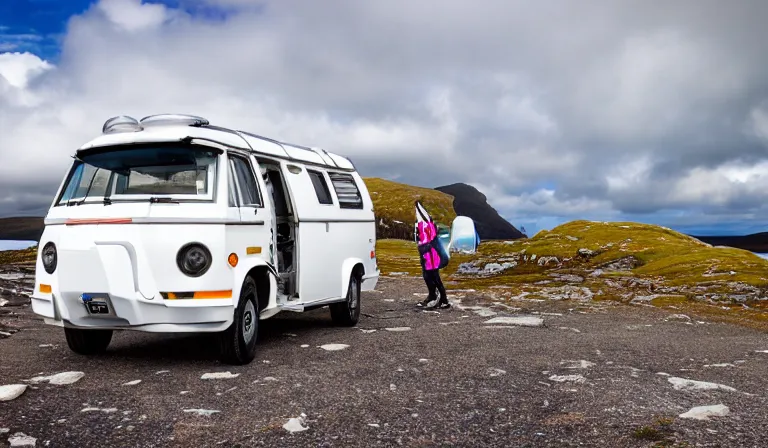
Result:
[[640, 110]]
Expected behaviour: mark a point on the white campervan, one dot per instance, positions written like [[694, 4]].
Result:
[[170, 224]]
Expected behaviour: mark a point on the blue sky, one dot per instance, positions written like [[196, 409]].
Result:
[[610, 113]]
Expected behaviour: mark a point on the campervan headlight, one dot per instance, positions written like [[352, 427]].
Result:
[[194, 259], [49, 257]]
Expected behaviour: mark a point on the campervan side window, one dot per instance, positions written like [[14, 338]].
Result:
[[346, 190], [245, 181], [321, 187]]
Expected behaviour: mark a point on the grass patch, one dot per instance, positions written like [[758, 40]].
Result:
[[394, 200], [28, 255]]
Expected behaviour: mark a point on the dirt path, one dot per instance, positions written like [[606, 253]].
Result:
[[592, 375]]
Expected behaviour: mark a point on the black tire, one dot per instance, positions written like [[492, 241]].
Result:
[[238, 342], [347, 313], [87, 342]]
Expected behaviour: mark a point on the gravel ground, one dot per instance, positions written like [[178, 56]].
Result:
[[594, 374]]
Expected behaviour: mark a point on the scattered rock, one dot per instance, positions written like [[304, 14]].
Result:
[[568, 378], [201, 412], [686, 384], [296, 424], [586, 253], [546, 261], [596, 273], [678, 317], [12, 391], [523, 321], [580, 364], [704, 412], [59, 379], [21, 440], [219, 375], [334, 347], [105, 410]]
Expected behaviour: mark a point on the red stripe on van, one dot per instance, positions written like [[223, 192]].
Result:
[[75, 222]]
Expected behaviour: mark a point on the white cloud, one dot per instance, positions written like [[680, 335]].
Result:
[[580, 112], [20, 68], [132, 15]]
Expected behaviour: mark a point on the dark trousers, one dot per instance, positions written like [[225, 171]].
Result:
[[434, 282]]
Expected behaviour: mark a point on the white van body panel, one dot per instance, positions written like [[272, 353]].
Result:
[[128, 250]]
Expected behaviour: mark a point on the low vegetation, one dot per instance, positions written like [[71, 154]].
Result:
[[395, 214], [620, 261], [23, 256]]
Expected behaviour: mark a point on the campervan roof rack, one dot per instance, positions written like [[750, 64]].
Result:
[[125, 123]]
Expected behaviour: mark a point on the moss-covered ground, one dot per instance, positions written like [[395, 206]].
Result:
[[667, 268]]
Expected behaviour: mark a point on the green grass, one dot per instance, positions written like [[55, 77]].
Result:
[[395, 201], [28, 255], [665, 257], [664, 254]]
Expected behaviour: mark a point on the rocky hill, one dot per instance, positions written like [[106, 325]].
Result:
[[24, 228], [756, 242], [393, 204], [627, 262], [468, 201]]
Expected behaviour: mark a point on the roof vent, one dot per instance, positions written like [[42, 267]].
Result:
[[173, 119], [121, 123]]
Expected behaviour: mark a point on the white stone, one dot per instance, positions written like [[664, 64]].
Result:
[[132, 383], [295, 424], [497, 372], [3, 302], [397, 329], [704, 412], [105, 410], [219, 375], [686, 384], [580, 364], [304, 345], [523, 321], [373, 425], [334, 347], [725, 364], [21, 440], [201, 412], [160, 372], [12, 391], [367, 331], [59, 379], [568, 378]]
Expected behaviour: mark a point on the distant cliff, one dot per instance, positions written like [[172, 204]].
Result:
[[25, 228], [468, 201]]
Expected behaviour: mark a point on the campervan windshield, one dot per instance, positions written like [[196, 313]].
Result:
[[141, 173]]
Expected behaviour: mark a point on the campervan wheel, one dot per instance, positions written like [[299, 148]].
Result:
[[238, 342], [347, 313]]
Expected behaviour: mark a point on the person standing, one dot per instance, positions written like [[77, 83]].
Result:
[[430, 258]]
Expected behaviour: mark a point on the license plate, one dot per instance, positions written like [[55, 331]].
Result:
[[96, 304]]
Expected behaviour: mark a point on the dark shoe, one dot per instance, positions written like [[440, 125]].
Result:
[[426, 301]]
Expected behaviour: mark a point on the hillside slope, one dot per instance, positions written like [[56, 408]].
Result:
[[756, 242], [393, 204], [468, 201], [28, 228], [623, 261]]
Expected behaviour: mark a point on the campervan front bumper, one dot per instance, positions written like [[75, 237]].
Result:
[[104, 287]]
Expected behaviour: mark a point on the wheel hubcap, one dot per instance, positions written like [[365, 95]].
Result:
[[249, 314]]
